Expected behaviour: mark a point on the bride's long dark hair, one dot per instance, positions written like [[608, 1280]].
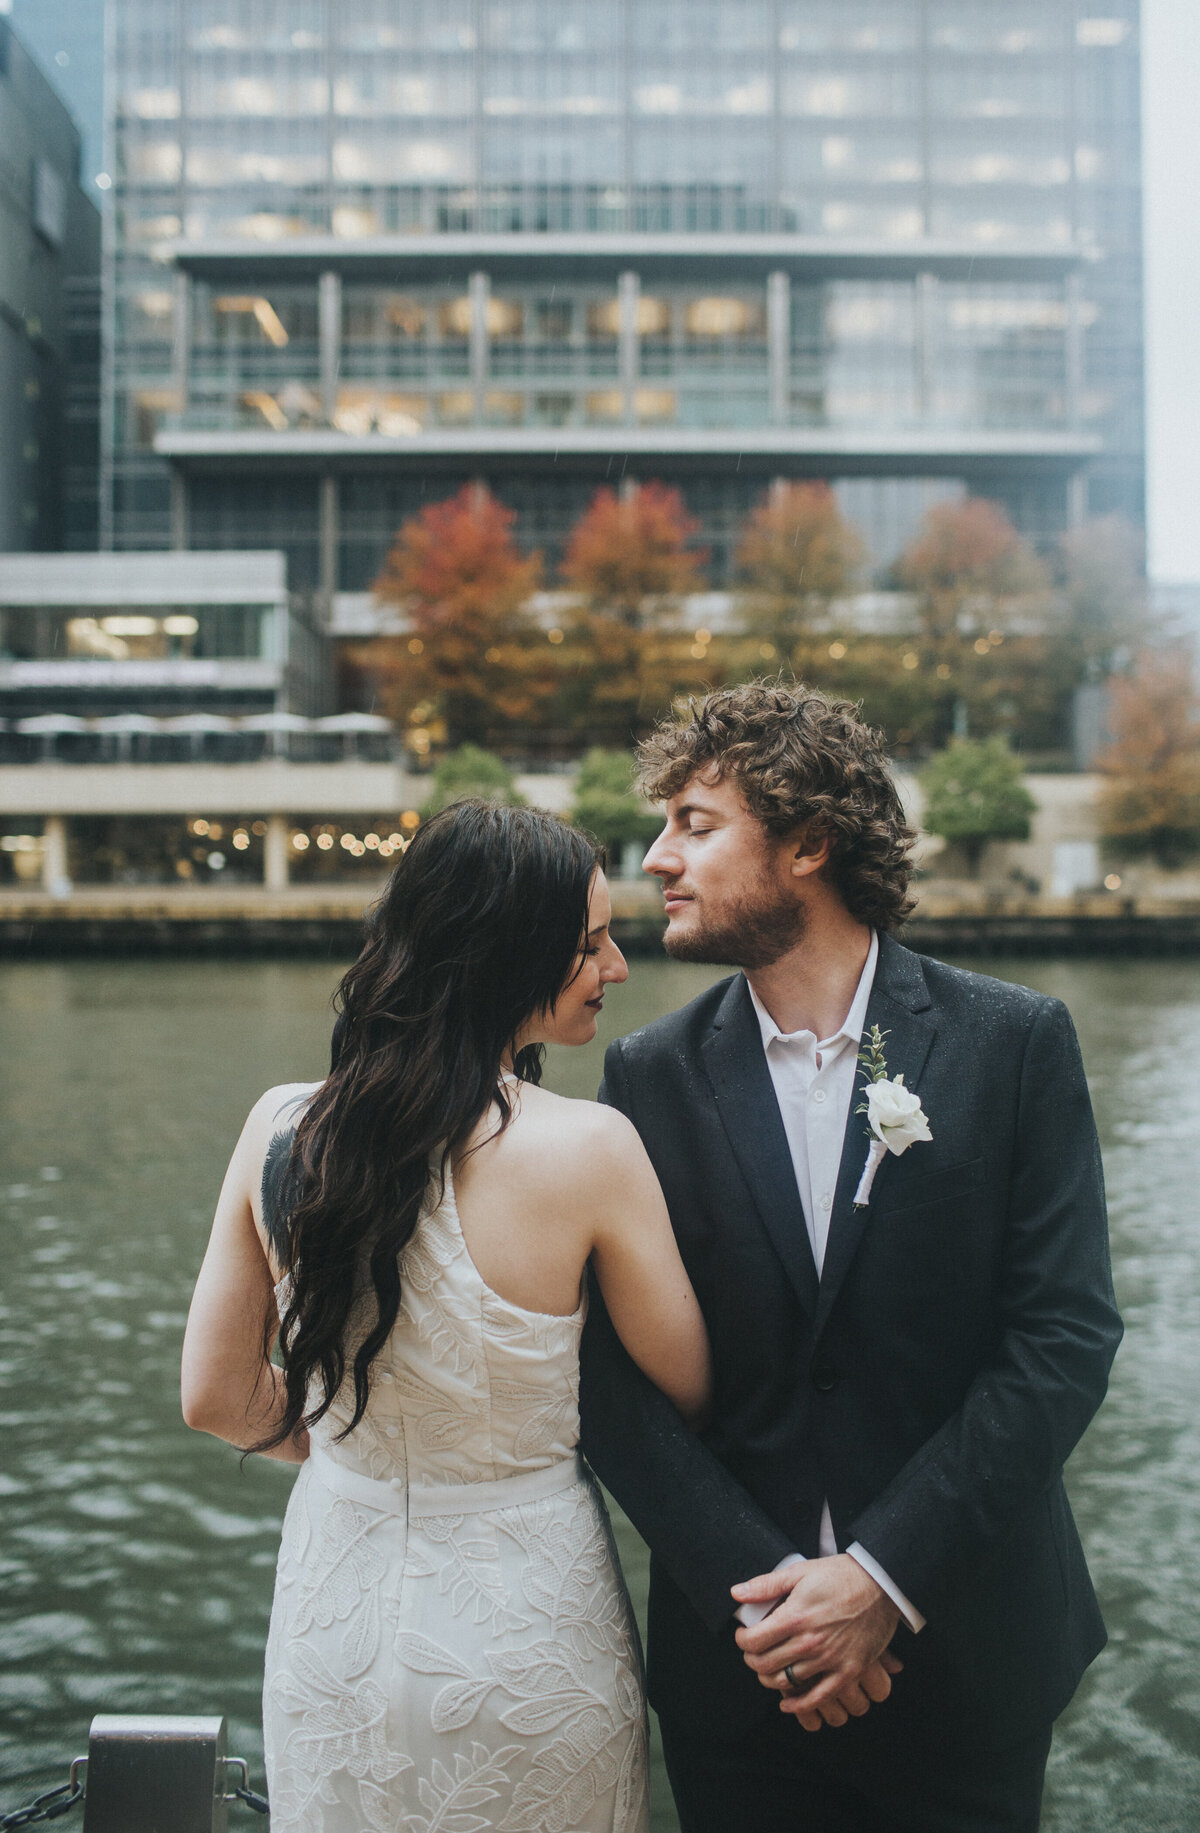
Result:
[[482, 924]]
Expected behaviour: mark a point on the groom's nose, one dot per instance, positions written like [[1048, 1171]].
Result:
[[659, 858]]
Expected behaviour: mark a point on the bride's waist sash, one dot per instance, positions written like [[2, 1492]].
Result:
[[397, 1496]]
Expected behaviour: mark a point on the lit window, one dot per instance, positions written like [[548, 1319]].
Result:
[[714, 316], [1101, 33], [254, 306]]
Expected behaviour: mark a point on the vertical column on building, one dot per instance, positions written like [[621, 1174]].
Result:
[[328, 533], [275, 854], [925, 339], [628, 295], [480, 293], [181, 355], [329, 341], [56, 877], [1073, 348], [779, 346], [1073, 365]]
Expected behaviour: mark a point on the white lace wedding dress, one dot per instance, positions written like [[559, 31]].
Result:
[[451, 1644]]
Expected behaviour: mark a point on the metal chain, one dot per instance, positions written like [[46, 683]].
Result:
[[50, 1806]]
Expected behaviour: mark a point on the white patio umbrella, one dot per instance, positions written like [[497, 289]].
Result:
[[48, 726], [350, 725], [276, 725], [43, 723], [125, 727], [196, 725], [198, 722]]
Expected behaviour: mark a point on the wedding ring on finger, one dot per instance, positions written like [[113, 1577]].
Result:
[[794, 1686]]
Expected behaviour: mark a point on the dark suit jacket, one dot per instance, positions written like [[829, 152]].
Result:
[[931, 1384]]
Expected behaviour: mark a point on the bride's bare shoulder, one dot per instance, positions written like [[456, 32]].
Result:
[[592, 1134], [278, 1110]]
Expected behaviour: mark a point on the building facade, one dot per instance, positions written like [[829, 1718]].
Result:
[[361, 253], [49, 317], [87, 637]]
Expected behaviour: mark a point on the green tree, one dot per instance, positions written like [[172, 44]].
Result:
[[974, 792], [472, 771], [607, 804]]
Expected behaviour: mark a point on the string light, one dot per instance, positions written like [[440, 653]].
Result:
[[910, 659], [837, 651], [300, 842], [324, 841]]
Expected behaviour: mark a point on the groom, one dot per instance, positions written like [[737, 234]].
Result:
[[899, 1378]]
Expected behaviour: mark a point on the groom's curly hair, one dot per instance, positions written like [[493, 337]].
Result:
[[803, 763]]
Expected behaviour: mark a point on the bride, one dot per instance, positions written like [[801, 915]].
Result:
[[451, 1644]]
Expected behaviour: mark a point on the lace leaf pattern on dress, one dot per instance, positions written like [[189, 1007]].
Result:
[[475, 1668], [449, 1799]]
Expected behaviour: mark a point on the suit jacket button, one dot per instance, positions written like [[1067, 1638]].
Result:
[[824, 1378]]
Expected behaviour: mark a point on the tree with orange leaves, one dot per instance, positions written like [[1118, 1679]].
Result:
[[797, 552], [987, 621], [630, 561], [1150, 801], [475, 654]]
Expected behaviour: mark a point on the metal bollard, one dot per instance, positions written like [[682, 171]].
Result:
[[155, 1775]]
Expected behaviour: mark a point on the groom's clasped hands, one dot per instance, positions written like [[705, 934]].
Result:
[[824, 1645]]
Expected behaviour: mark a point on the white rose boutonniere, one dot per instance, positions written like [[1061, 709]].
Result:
[[894, 1114]]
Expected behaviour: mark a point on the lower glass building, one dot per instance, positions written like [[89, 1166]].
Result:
[[359, 254]]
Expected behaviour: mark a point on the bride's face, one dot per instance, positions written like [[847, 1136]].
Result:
[[573, 1020]]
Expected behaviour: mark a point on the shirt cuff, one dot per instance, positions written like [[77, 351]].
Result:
[[909, 1612], [748, 1615]]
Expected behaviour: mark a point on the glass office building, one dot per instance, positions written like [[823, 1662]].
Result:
[[362, 252]]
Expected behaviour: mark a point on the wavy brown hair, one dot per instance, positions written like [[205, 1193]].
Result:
[[803, 764], [482, 924]]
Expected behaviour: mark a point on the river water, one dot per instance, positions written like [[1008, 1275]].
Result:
[[136, 1558]]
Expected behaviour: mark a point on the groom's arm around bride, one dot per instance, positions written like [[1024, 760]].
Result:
[[898, 1382]]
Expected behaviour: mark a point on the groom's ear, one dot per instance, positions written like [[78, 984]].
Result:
[[811, 848]]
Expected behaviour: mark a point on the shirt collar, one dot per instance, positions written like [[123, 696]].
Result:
[[851, 1027]]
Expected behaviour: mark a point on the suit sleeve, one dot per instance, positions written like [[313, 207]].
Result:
[[1059, 1330], [703, 1527]]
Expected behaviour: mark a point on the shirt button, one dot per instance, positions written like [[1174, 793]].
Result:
[[826, 1202], [818, 1094]]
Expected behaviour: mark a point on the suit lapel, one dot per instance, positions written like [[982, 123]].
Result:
[[898, 995], [745, 1096]]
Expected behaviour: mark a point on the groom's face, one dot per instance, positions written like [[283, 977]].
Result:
[[730, 892]]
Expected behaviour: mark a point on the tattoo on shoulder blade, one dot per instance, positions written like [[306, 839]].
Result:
[[277, 1187]]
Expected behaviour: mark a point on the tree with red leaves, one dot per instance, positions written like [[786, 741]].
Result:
[[475, 652], [628, 550]]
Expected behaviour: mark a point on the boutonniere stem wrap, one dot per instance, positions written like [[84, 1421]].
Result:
[[894, 1114]]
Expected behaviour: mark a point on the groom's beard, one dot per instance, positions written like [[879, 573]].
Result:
[[750, 931]]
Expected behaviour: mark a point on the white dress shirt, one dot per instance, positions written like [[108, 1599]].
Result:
[[814, 1082]]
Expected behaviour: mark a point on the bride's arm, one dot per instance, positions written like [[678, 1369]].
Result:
[[229, 1385], [647, 1292]]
